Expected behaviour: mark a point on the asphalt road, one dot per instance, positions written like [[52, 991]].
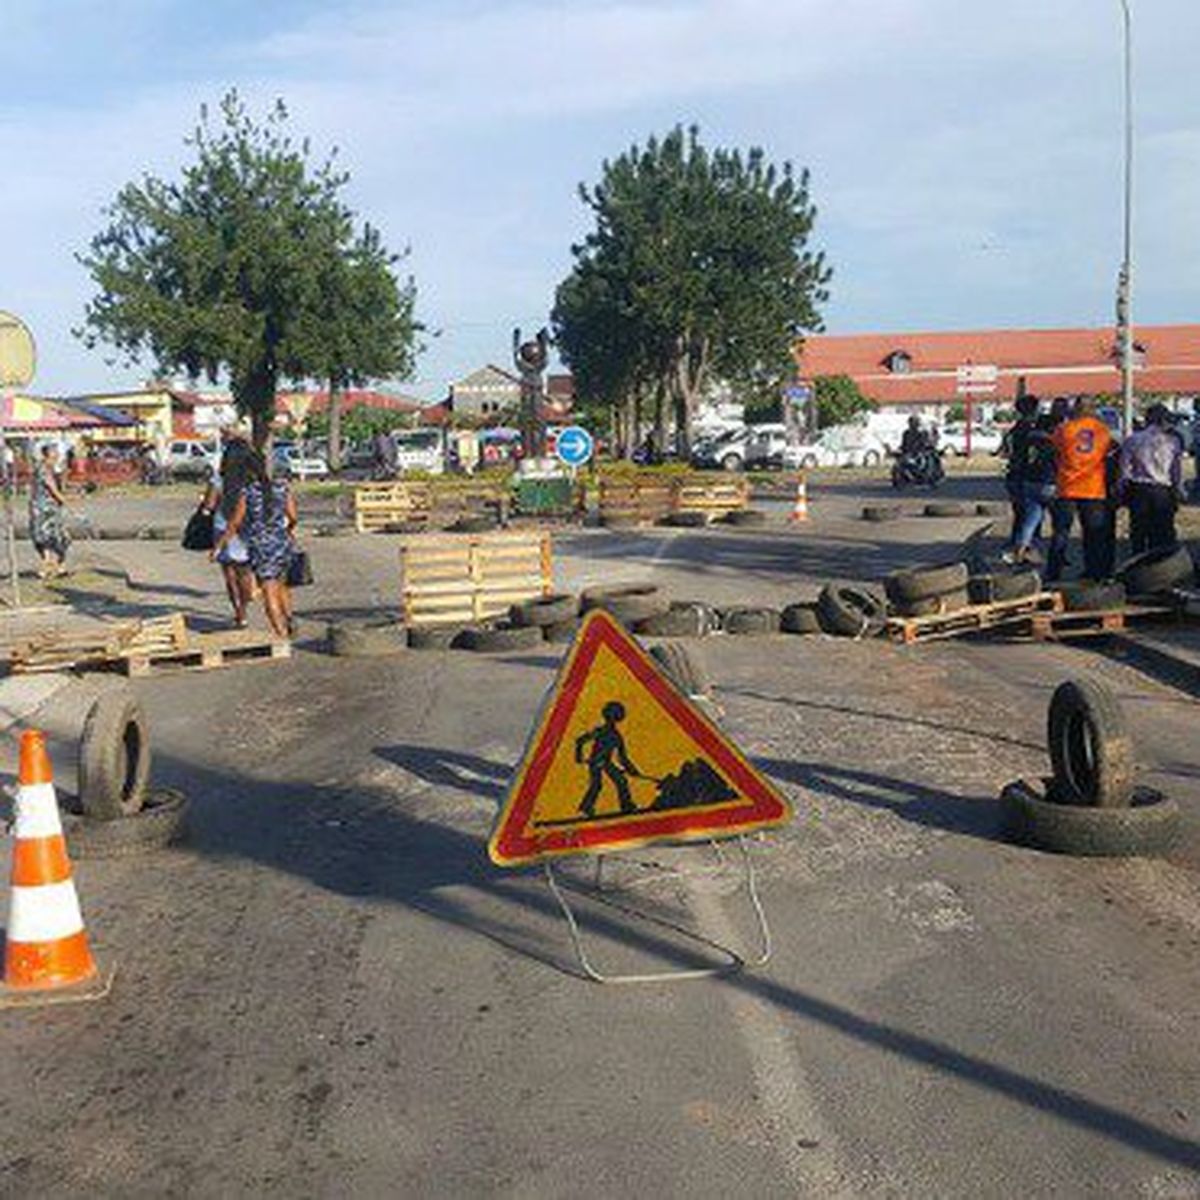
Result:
[[327, 989]]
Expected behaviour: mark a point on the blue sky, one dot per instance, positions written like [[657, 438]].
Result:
[[966, 155]]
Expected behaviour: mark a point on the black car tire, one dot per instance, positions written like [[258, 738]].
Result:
[[878, 513], [931, 606], [1149, 826], [686, 520], [800, 618], [682, 668], [114, 756], [545, 610], [679, 621], [628, 603], [1091, 750], [379, 639], [1158, 571], [849, 610], [993, 587], [499, 639], [947, 508], [157, 823], [744, 517], [434, 637], [1084, 596], [750, 620], [561, 632], [921, 583]]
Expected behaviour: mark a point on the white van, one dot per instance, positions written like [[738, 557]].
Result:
[[419, 450], [888, 427]]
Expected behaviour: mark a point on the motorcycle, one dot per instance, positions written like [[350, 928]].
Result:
[[918, 470]]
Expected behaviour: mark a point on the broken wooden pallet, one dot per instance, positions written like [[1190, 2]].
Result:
[[972, 619], [1053, 627], [64, 649], [207, 652]]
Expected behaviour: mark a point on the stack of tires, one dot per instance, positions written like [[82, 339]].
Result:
[[928, 591], [1091, 804], [119, 813], [1156, 574]]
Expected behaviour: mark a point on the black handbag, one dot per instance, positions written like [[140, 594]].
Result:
[[198, 533], [299, 572]]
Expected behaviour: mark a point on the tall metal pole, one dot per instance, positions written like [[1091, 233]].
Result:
[[1125, 282]]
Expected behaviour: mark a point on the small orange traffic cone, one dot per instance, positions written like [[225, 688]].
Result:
[[47, 958], [800, 509]]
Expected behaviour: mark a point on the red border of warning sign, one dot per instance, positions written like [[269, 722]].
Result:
[[511, 846]]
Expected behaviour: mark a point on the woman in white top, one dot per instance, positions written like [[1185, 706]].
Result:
[[221, 500]]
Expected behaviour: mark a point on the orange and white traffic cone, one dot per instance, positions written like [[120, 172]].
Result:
[[800, 508], [47, 958]]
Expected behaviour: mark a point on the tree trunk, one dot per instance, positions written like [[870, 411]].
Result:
[[660, 420], [335, 427]]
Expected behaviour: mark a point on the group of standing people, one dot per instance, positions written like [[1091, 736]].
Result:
[[254, 531], [1065, 463]]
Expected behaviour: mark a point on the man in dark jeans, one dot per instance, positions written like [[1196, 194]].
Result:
[[1081, 448], [1017, 449], [1152, 481]]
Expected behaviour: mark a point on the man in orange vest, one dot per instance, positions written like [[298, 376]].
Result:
[[1081, 449]]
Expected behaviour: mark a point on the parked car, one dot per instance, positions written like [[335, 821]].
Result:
[[298, 462], [188, 459], [751, 446], [985, 439], [837, 446]]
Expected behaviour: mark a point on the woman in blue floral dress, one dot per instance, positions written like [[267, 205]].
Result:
[[47, 529], [265, 519]]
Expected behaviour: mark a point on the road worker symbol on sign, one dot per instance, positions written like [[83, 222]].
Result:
[[620, 758]]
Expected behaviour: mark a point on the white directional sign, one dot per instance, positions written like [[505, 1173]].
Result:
[[976, 379]]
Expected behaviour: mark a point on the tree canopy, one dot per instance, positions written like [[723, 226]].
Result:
[[698, 269], [249, 265], [839, 400]]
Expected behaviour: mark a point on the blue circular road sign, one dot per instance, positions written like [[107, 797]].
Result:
[[574, 446]]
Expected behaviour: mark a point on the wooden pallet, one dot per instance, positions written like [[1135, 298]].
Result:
[[1053, 627], [66, 649], [207, 652], [464, 578], [633, 501], [972, 619], [713, 499], [379, 506]]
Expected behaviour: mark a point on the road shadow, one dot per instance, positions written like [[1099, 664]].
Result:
[[974, 816], [985, 735], [450, 769]]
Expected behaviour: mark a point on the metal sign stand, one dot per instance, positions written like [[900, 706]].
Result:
[[736, 961]]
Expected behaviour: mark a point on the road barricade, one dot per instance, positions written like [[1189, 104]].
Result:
[[467, 578], [381, 506], [634, 500], [711, 498]]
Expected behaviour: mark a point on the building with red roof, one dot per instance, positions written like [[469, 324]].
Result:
[[918, 371]]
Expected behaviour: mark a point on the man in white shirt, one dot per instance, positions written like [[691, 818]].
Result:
[[1152, 481]]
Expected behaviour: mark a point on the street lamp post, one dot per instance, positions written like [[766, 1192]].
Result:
[[1125, 278]]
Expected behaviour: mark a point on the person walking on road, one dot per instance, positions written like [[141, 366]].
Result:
[[1152, 481], [265, 517], [1016, 449], [1081, 448], [47, 528], [221, 500]]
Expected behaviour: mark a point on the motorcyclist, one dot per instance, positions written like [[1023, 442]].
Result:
[[916, 442]]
